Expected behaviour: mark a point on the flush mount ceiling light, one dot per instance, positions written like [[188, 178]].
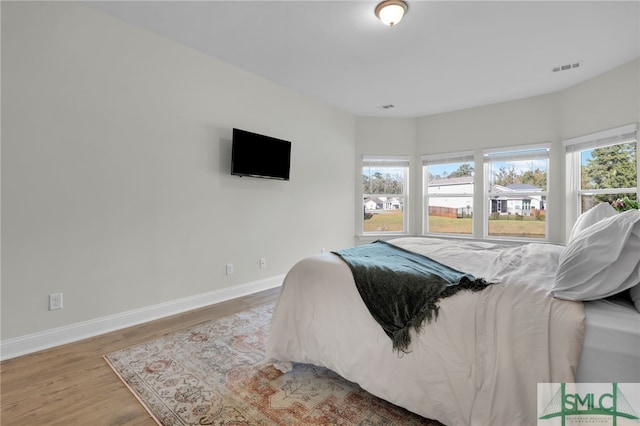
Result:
[[390, 12]]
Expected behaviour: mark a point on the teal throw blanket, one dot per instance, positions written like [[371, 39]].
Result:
[[401, 288]]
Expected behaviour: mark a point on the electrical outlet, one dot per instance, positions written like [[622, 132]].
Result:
[[55, 301], [263, 262], [229, 268]]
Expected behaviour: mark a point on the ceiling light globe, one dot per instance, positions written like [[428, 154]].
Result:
[[390, 12]]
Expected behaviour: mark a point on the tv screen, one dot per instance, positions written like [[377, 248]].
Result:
[[261, 156]]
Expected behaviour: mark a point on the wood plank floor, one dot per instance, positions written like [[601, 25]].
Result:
[[73, 385]]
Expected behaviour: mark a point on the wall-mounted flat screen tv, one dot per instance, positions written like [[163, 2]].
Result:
[[260, 156]]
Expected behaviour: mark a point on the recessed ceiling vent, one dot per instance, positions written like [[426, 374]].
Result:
[[567, 67]]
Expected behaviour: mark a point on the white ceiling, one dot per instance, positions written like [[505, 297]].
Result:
[[443, 56]]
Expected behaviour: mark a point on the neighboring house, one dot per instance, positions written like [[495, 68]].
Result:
[[392, 204], [520, 204], [382, 203], [371, 204], [440, 188], [503, 203]]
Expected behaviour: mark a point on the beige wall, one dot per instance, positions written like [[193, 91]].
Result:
[[115, 170]]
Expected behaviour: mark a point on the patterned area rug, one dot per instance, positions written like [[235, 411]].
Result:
[[215, 374]]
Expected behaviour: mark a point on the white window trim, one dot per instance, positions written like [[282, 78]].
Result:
[[444, 158], [591, 140], [487, 186], [389, 161], [573, 148]]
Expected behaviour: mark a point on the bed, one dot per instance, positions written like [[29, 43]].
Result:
[[479, 362]]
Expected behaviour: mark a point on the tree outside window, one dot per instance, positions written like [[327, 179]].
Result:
[[601, 168], [608, 168]]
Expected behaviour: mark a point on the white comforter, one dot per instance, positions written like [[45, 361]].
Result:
[[478, 364]]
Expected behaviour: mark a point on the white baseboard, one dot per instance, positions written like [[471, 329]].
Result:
[[11, 348]]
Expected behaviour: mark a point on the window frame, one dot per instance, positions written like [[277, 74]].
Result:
[[462, 157], [573, 152], [387, 161], [518, 152]]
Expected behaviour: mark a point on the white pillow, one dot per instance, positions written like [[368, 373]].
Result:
[[591, 216], [601, 260]]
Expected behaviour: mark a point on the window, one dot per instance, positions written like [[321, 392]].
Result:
[[516, 192], [385, 200], [448, 185], [601, 167]]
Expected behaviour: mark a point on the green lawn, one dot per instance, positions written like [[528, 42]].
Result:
[[385, 221], [517, 228], [447, 225], [528, 227]]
